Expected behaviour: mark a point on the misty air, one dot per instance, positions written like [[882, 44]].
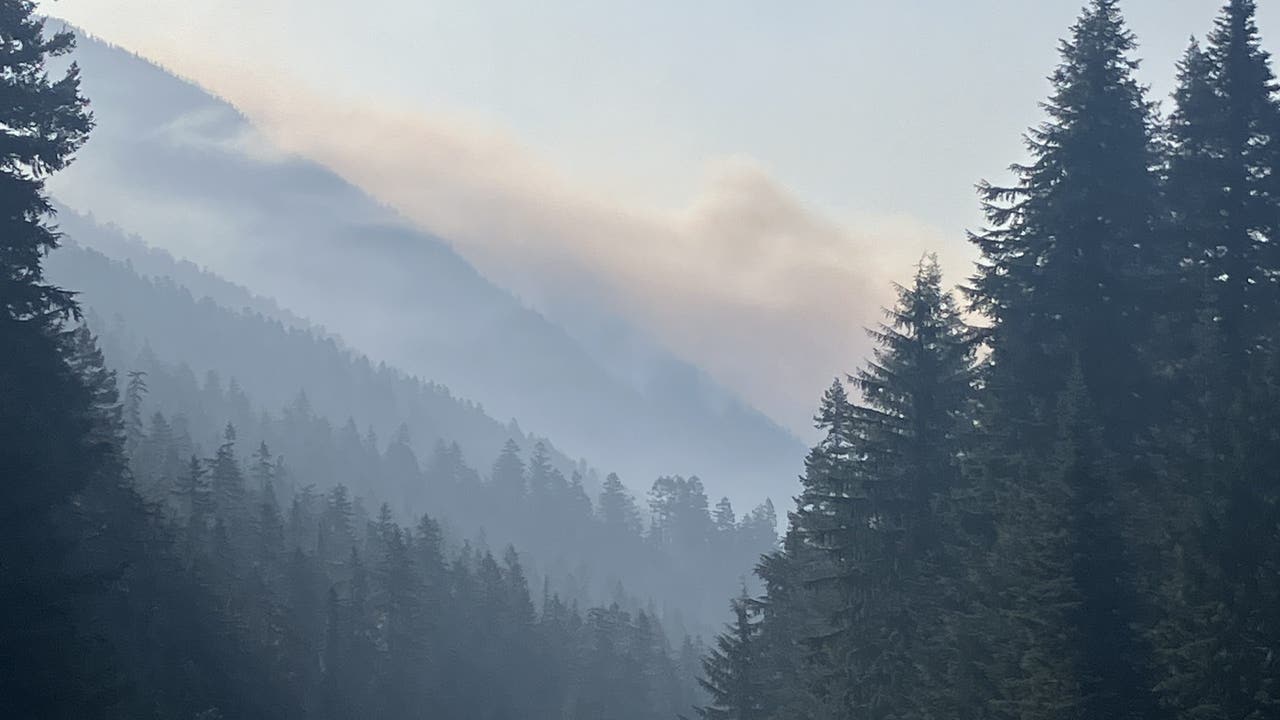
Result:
[[486, 360]]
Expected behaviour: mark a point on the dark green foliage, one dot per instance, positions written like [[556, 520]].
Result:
[[1066, 264], [1071, 279], [1086, 525], [44, 122], [1216, 525], [877, 524], [59, 431], [734, 670], [1225, 137]]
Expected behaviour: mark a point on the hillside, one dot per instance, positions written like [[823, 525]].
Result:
[[337, 419], [190, 174]]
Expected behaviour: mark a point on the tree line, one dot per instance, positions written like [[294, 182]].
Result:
[[337, 418], [1055, 495], [142, 575]]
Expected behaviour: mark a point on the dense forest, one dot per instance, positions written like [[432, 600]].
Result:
[[174, 548], [415, 446], [1048, 495], [1056, 495]]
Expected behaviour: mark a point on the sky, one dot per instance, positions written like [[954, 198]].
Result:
[[742, 179]]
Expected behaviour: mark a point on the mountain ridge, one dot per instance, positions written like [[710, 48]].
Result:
[[291, 230]]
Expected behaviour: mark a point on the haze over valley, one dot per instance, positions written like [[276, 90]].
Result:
[[599, 361]]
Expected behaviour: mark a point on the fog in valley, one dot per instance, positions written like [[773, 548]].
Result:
[[472, 360]]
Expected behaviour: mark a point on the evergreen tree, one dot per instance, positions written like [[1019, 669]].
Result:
[[879, 500], [157, 461], [618, 510], [230, 497], [733, 670], [1215, 523], [56, 436], [1071, 276], [263, 468], [1225, 132], [1067, 262], [402, 468], [1059, 586], [44, 123], [135, 390], [403, 632], [270, 521], [725, 521], [540, 471], [336, 532], [194, 498], [508, 476]]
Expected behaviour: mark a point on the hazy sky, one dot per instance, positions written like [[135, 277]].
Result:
[[741, 178]]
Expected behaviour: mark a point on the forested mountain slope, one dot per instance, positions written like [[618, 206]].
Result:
[[339, 420], [192, 175], [143, 578]]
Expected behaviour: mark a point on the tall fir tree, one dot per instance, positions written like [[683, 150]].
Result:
[[879, 500], [53, 437], [617, 508], [734, 670], [1225, 137], [135, 391], [1217, 529], [1068, 258], [1071, 280], [508, 476]]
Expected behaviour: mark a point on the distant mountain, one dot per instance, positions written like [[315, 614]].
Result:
[[190, 174], [145, 303]]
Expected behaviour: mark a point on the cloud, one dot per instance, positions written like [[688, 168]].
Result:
[[766, 293]]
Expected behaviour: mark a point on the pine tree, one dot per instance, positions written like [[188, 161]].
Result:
[[50, 431], [1194, 177], [879, 494], [270, 521], [826, 467], [1061, 570], [135, 391], [915, 419], [263, 468], [540, 471], [336, 533], [725, 521], [618, 510], [158, 464], [194, 496], [1216, 519], [793, 613], [733, 674], [44, 122], [1071, 275], [1225, 132], [577, 500], [401, 467], [1067, 264], [230, 498], [679, 511], [403, 629], [508, 476]]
